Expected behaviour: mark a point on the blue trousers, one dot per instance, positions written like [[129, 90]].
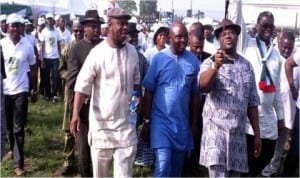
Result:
[[168, 162]]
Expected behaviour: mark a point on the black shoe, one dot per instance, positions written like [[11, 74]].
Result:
[[67, 171]]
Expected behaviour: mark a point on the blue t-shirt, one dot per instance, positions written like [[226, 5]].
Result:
[[173, 80]]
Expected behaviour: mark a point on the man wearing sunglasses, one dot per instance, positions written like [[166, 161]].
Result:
[[266, 63], [69, 156]]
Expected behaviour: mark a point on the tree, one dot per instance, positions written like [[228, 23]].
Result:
[[128, 5], [148, 7]]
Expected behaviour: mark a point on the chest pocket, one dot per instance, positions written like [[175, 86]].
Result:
[[188, 80], [246, 85]]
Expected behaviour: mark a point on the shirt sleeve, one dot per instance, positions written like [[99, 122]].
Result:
[[254, 99], [195, 88], [87, 74], [42, 36], [58, 35], [205, 66], [297, 58], [277, 102], [31, 56], [149, 81], [136, 77]]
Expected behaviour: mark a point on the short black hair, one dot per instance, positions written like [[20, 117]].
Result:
[[264, 14], [288, 35], [161, 29], [198, 34], [197, 25]]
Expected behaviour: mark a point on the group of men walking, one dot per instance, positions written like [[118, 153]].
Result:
[[223, 110]]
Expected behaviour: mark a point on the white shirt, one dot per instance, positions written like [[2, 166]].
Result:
[[2, 33], [18, 59], [142, 41], [211, 47], [289, 104], [31, 39], [65, 37], [50, 38], [271, 108], [297, 61], [38, 42], [150, 53], [109, 74]]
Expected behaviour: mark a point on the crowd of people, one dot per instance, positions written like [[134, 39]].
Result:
[[210, 98]]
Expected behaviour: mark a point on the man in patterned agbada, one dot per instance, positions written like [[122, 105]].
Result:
[[232, 96]]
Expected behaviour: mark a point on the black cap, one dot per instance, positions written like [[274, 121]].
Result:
[[92, 16]]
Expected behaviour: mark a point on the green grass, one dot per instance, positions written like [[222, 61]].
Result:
[[44, 142]]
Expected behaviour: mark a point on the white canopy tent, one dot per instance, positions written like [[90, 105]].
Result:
[[62, 7]]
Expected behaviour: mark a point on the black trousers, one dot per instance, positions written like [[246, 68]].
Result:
[[51, 78], [292, 160], [84, 153], [256, 165], [16, 107]]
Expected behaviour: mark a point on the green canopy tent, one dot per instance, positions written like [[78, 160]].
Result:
[[22, 10]]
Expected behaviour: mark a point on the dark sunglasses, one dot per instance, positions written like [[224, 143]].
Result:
[[76, 31], [265, 26]]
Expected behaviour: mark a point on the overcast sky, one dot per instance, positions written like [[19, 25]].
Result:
[[212, 8]]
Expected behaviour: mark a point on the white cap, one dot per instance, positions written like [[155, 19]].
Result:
[[41, 21], [57, 17], [139, 27], [104, 25], [14, 18], [133, 20], [207, 21], [22, 20], [3, 17], [49, 15], [76, 21], [27, 22]]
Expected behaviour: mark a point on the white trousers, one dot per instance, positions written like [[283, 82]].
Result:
[[220, 171], [122, 158], [274, 165]]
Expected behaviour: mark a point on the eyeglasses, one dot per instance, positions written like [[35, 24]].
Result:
[[76, 31], [265, 26]]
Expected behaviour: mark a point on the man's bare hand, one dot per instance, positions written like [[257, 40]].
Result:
[[257, 146], [75, 125]]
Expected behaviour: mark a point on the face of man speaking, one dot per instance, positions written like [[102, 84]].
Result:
[[118, 30], [228, 40]]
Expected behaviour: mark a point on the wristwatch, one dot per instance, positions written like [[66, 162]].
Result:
[[146, 120]]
